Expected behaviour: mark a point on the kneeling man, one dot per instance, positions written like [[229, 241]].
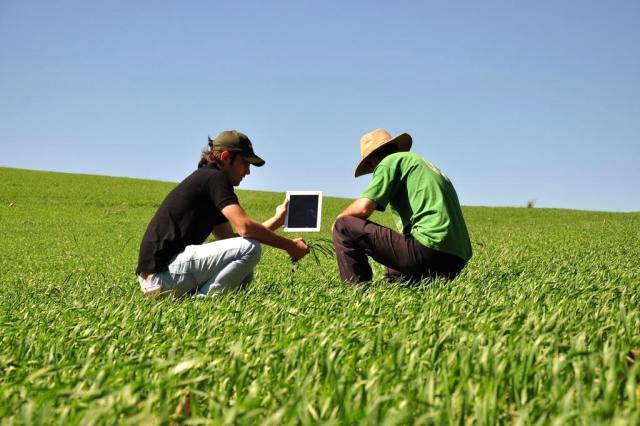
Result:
[[173, 259], [433, 239]]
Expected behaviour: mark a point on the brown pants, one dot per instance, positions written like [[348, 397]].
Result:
[[405, 258]]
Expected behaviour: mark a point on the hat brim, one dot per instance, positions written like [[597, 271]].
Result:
[[403, 142], [254, 160]]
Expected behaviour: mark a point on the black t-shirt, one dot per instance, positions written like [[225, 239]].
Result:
[[187, 216]]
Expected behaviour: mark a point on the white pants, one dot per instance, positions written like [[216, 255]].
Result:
[[204, 269]]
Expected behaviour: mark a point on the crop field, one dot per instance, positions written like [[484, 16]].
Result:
[[541, 327]]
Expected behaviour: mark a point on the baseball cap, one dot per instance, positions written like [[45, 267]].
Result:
[[234, 141]]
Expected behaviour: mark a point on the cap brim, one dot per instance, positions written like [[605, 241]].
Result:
[[403, 142], [255, 160]]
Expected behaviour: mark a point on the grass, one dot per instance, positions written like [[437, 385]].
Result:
[[537, 329]]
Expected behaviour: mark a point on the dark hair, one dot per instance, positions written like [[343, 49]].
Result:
[[214, 158], [385, 150]]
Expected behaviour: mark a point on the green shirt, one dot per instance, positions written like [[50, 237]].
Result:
[[423, 202]]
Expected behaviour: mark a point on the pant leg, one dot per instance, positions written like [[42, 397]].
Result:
[[393, 275], [434, 264], [357, 239], [216, 266], [405, 258], [350, 252]]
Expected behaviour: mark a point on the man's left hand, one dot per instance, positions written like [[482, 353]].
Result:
[[281, 212]]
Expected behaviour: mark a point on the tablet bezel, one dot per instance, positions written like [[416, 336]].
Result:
[[319, 219]]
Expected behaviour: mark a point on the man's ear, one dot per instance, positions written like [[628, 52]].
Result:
[[224, 156]]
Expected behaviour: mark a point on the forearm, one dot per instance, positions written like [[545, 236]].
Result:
[[273, 223], [265, 235], [361, 208]]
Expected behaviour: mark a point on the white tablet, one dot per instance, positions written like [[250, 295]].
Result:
[[304, 212]]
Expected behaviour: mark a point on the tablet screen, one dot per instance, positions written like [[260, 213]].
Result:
[[304, 211]]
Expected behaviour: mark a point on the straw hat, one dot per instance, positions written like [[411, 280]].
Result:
[[375, 140]]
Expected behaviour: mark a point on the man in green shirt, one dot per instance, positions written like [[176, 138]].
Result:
[[432, 239]]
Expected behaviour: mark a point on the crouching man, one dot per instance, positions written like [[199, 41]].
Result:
[[433, 238], [173, 259]]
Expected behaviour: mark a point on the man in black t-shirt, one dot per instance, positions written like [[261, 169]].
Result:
[[174, 260]]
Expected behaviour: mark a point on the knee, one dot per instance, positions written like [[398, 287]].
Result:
[[341, 225], [253, 250]]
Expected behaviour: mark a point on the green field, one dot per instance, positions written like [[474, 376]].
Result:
[[537, 329]]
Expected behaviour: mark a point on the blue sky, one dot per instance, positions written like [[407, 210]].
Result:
[[515, 101]]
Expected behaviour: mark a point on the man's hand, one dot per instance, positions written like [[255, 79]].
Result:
[[278, 219], [281, 212], [298, 249]]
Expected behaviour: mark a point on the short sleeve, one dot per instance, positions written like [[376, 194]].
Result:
[[221, 191], [381, 187]]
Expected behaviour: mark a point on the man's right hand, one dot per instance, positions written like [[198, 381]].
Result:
[[298, 249]]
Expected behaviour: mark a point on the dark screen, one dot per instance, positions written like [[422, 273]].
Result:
[[303, 211]]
